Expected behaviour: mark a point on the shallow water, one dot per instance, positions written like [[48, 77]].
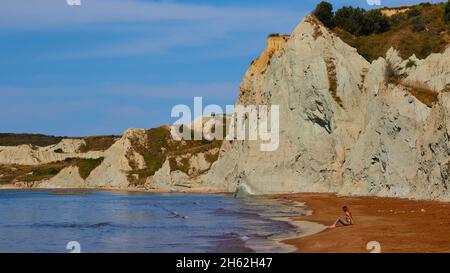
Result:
[[40, 221]]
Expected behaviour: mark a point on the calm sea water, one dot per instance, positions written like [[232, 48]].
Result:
[[45, 221]]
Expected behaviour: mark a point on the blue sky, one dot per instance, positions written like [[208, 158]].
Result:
[[109, 65]]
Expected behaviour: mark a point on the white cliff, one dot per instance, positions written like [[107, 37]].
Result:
[[113, 171], [343, 127], [33, 155], [68, 177]]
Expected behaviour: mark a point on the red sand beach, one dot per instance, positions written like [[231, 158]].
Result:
[[399, 225]]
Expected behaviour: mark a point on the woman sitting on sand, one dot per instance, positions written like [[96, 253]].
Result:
[[345, 222]]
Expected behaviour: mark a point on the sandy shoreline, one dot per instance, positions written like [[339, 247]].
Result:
[[399, 225], [193, 190]]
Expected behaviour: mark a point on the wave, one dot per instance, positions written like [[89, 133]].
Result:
[[76, 225], [94, 226], [234, 212], [235, 235], [175, 214]]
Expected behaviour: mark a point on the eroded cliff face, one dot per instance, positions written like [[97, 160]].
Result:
[[33, 155], [344, 125], [140, 159]]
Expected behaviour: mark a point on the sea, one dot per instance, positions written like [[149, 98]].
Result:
[[58, 221]]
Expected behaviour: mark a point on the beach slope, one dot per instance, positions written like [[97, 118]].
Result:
[[399, 225]]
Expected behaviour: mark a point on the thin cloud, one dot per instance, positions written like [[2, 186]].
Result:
[[180, 90], [142, 28], [56, 13]]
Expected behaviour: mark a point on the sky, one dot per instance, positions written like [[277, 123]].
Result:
[[108, 65]]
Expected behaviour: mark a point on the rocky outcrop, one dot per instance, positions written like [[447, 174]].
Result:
[[122, 166], [344, 127], [67, 145], [393, 11], [113, 172], [166, 179], [67, 178], [33, 155]]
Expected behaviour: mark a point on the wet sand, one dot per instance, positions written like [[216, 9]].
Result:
[[206, 190], [399, 225]]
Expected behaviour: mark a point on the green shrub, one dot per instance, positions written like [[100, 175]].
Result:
[[324, 12], [358, 21], [425, 4], [182, 166], [426, 49], [417, 24], [391, 74], [212, 157], [59, 151], [398, 18], [447, 12], [87, 165], [414, 12], [350, 19], [410, 64], [9, 139], [41, 173], [97, 143], [422, 92], [375, 22], [408, 33]]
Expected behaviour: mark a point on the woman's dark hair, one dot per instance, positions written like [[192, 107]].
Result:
[[344, 208]]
